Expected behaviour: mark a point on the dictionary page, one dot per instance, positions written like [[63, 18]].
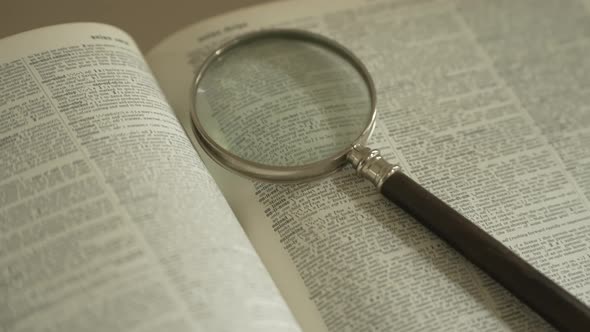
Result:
[[108, 219], [483, 103]]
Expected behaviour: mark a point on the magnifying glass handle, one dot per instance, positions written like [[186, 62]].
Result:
[[558, 307], [549, 300]]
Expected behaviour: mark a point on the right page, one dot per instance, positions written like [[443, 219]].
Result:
[[483, 103]]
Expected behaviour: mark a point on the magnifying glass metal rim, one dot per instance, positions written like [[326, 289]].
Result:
[[281, 174]]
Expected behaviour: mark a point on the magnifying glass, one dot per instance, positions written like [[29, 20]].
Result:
[[292, 106]]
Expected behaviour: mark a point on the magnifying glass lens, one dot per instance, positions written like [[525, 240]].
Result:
[[282, 102]]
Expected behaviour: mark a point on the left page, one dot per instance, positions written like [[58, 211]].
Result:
[[108, 220]]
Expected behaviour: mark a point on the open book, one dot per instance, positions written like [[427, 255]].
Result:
[[110, 220]]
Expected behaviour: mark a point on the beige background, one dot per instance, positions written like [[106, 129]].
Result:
[[148, 21]]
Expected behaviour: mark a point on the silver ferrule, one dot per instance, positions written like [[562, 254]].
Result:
[[370, 165]]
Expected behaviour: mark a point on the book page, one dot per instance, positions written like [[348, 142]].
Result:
[[483, 103], [108, 219]]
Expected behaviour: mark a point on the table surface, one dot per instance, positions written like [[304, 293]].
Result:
[[148, 21]]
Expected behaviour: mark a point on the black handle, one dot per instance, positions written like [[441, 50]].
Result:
[[549, 300]]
